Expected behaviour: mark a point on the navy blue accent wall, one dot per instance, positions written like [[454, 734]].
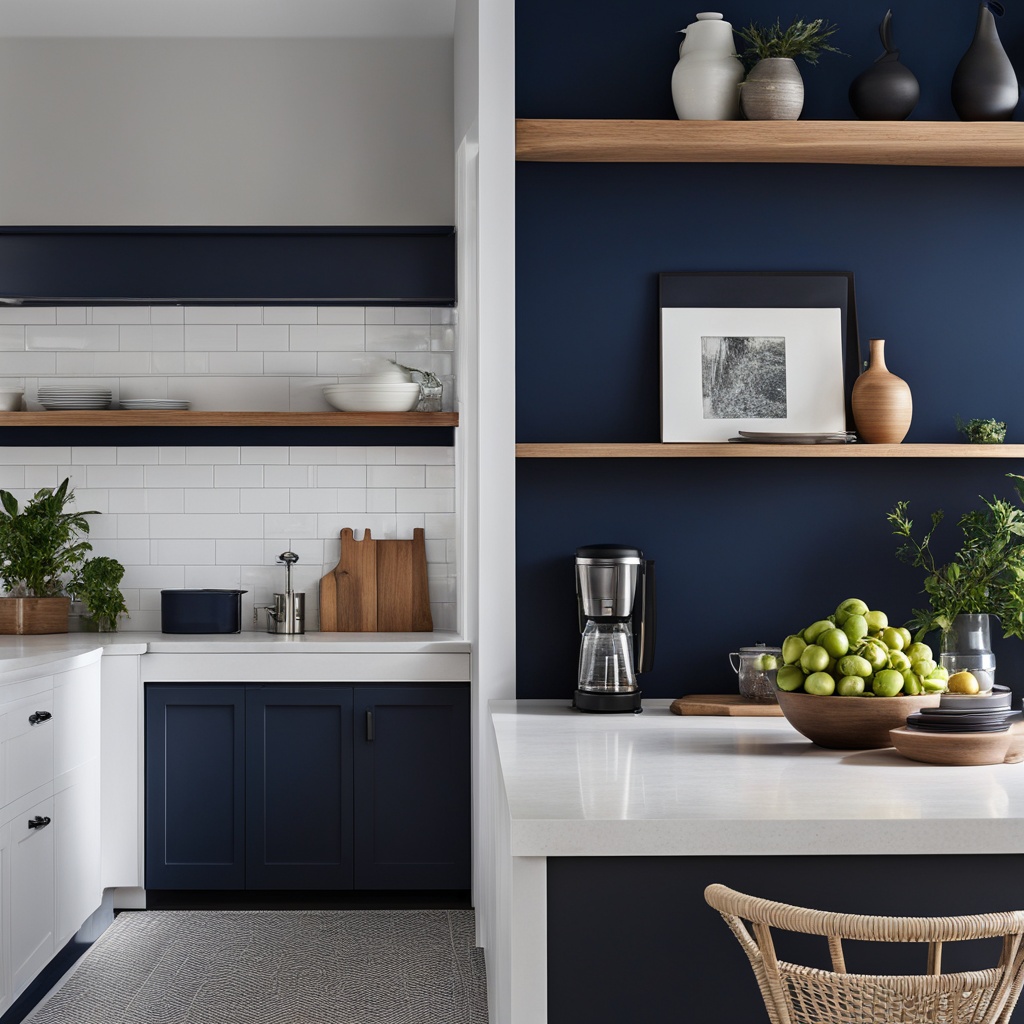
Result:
[[747, 550]]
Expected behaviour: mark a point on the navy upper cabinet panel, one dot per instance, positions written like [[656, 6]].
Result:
[[614, 59], [311, 265]]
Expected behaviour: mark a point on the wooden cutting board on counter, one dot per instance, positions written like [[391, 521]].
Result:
[[721, 704], [377, 586]]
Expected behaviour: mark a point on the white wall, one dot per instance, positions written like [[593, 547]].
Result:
[[226, 132]]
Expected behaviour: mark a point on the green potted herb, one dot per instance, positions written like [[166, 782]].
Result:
[[773, 89], [43, 561], [982, 431], [985, 575]]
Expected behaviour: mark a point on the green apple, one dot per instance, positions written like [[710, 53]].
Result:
[[856, 628], [850, 686], [765, 663], [877, 621], [820, 683], [791, 677], [923, 666], [930, 685], [815, 629], [907, 638], [875, 654], [814, 658], [893, 638], [911, 684], [899, 661], [854, 665], [918, 651], [835, 641], [851, 606], [792, 647], [887, 683]]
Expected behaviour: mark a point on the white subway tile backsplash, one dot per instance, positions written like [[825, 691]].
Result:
[[395, 476], [120, 314], [183, 552], [397, 338], [264, 394], [167, 314], [263, 499], [166, 364], [129, 500], [211, 337], [29, 364], [340, 476], [37, 477], [289, 314], [84, 456], [147, 338], [406, 522], [115, 476], [290, 476], [380, 314], [36, 456], [262, 337], [197, 362], [212, 499], [219, 577], [320, 455], [12, 478], [317, 499], [238, 476], [132, 526], [138, 456], [439, 525], [12, 339], [265, 455], [239, 552], [210, 525], [236, 364], [154, 577], [172, 455], [129, 551], [327, 338], [72, 314], [223, 315], [120, 364], [412, 315], [289, 525], [291, 364], [440, 476], [351, 500], [424, 455], [381, 499], [341, 315], [179, 476], [28, 315], [380, 456]]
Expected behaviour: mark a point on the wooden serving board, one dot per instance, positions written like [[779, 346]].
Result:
[[377, 586], [721, 704]]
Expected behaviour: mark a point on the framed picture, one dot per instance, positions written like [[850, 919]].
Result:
[[773, 352]]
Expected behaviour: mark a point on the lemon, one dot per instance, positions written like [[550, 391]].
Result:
[[963, 682]]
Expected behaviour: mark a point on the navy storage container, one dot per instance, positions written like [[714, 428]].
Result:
[[201, 611]]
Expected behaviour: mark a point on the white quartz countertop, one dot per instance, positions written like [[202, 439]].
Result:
[[662, 784], [32, 651]]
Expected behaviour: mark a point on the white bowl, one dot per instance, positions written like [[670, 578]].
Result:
[[10, 401], [383, 387], [374, 401]]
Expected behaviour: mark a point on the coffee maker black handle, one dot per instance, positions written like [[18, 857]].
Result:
[[643, 644]]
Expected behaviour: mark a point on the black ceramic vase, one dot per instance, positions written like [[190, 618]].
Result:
[[984, 85], [886, 91]]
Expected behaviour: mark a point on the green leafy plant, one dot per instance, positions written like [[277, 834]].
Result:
[[42, 554], [982, 431], [807, 39], [986, 574]]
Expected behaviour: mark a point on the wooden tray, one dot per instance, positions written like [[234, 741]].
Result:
[[377, 586], [722, 704]]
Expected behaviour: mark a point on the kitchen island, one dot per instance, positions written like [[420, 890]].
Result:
[[610, 826]]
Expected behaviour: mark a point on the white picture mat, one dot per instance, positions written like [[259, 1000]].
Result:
[[814, 369]]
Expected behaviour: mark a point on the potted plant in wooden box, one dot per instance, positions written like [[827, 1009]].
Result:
[[43, 561]]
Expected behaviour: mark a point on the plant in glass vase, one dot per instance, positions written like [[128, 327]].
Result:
[[773, 89], [43, 560], [985, 577]]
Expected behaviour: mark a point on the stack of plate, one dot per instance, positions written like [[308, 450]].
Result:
[[73, 396], [155, 403], [982, 712]]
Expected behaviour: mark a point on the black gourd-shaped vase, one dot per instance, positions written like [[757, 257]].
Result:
[[886, 91], [984, 85]]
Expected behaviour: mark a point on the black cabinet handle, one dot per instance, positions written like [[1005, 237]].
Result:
[[39, 716], [369, 726], [38, 822]]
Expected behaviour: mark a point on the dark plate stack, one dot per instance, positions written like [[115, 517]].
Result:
[[982, 712]]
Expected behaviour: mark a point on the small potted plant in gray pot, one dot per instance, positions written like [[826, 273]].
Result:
[[43, 560], [773, 89]]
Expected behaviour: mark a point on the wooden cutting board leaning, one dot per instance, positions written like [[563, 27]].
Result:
[[721, 704], [377, 586]]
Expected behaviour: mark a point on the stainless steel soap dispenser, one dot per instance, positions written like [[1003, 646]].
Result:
[[288, 612]]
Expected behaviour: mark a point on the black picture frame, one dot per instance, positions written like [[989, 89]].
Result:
[[774, 289]]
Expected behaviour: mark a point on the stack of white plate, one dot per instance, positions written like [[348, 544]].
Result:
[[155, 403], [73, 396], [373, 396]]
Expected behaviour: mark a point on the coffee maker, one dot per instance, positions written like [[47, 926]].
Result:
[[615, 598]]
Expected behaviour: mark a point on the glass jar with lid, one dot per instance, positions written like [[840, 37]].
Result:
[[756, 667]]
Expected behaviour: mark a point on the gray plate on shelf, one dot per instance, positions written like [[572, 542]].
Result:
[[997, 697], [770, 437]]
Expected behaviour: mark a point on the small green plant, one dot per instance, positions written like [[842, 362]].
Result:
[[42, 554], [807, 39], [985, 576], [982, 431]]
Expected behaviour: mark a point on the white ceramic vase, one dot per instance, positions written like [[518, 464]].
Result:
[[773, 91], [706, 79]]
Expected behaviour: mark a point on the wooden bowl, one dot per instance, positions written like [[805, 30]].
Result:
[[960, 748], [850, 723]]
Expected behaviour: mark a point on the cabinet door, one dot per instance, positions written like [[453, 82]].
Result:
[[76, 842], [299, 787], [195, 824], [32, 893], [412, 798]]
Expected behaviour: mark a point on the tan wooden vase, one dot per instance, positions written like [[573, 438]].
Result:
[[882, 405]]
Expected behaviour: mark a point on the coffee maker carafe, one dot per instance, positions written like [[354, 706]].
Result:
[[615, 595]]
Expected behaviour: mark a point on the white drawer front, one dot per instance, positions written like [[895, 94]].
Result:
[[32, 894], [26, 735]]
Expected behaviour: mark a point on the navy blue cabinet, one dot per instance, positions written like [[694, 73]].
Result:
[[307, 787]]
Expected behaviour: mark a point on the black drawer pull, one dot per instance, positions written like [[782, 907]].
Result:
[[39, 716], [369, 726], [38, 822]]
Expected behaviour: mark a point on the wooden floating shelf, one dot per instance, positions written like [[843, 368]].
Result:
[[199, 418], [912, 143], [728, 450]]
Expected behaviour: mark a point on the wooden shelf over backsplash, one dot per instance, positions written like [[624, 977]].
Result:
[[917, 143], [726, 450], [203, 418]]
